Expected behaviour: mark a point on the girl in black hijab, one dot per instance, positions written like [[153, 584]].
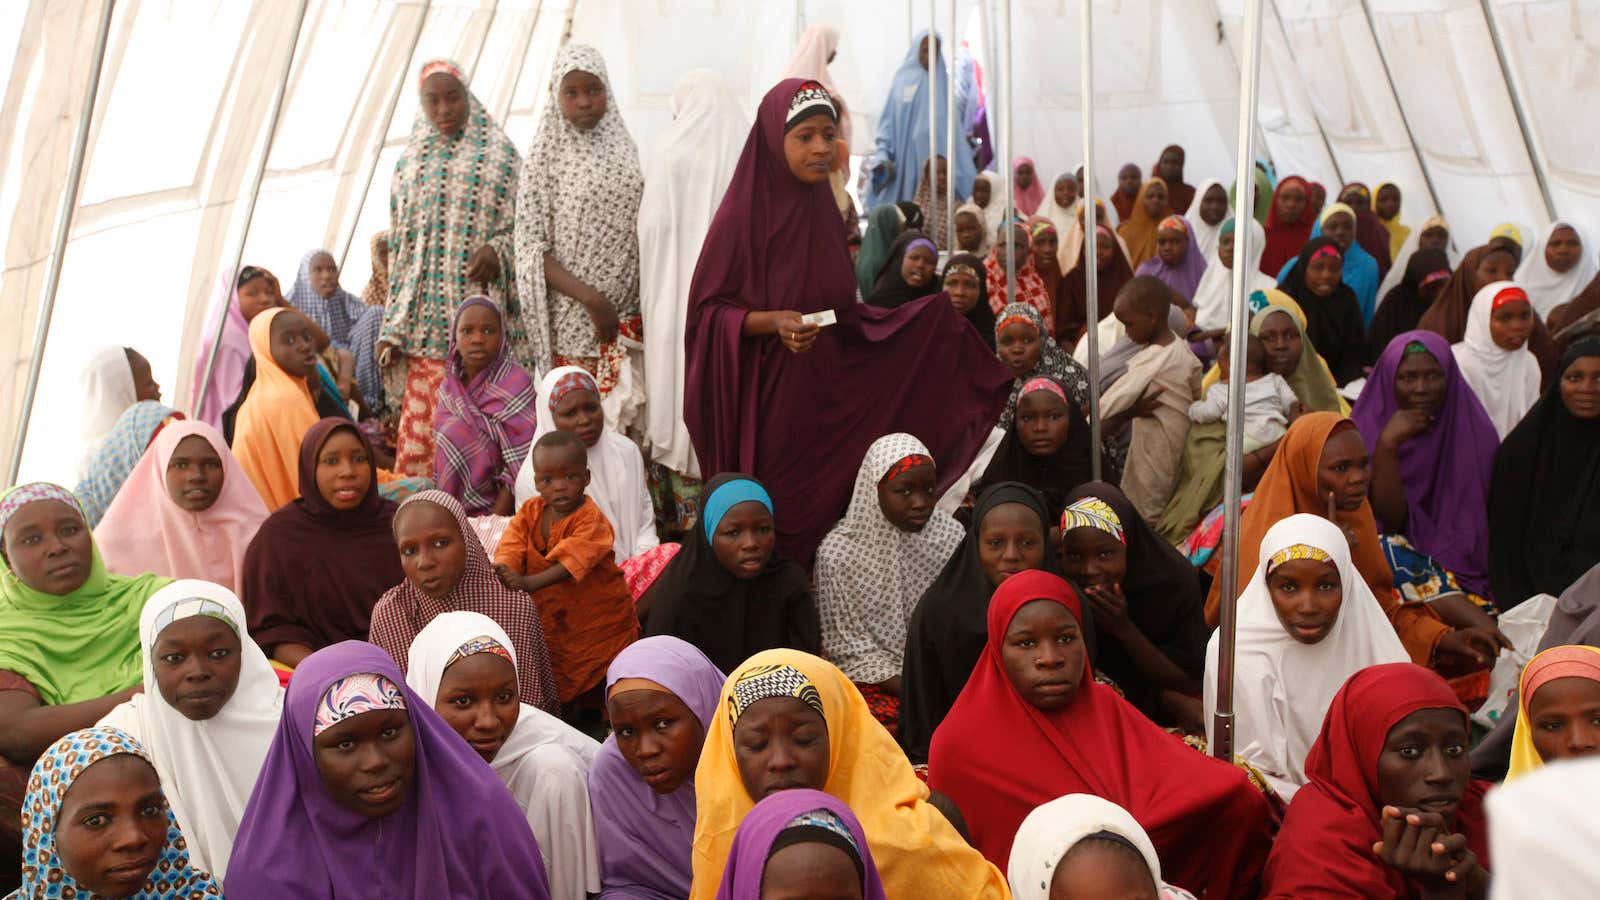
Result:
[[969, 293], [1333, 314], [1047, 446], [903, 279]]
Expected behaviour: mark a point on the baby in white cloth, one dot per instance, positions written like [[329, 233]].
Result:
[[1269, 402]]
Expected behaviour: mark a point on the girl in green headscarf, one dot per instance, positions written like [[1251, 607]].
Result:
[[884, 224], [1263, 198]]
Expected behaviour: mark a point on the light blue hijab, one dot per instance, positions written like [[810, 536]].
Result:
[[903, 130], [1360, 269]]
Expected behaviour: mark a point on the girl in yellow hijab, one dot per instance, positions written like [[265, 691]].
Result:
[[1558, 708], [801, 724], [278, 411]]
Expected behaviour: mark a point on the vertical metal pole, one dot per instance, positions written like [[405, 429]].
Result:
[[255, 189], [950, 144], [504, 111], [1327, 145], [383, 135], [1514, 90], [1091, 227], [1009, 199], [1232, 487], [1383, 57], [911, 28], [932, 212], [58, 241]]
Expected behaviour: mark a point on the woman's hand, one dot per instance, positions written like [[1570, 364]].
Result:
[[795, 333], [1404, 425], [1110, 609], [1333, 516], [1473, 645], [484, 266], [603, 313], [386, 354], [1420, 846]]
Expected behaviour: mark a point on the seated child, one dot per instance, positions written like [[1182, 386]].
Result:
[[558, 548], [1269, 402], [1162, 379]]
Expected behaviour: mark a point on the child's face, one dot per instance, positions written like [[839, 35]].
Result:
[[579, 412], [980, 194], [432, 553], [292, 346], [1066, 190], [1141, 326], [560, 474], [112, 826], [1042, 423], [917, 267], [1510, 324], [478, 697], [196, 665], [477, 337], [1019, 347], [744, 539], [969, 232], [907, 499], [1171, 245]]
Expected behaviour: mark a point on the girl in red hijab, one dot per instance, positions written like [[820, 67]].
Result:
[[1288, 224], [1032, 724], [1393, 747]]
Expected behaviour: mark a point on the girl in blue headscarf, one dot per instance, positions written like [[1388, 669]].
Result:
[[902, 146], [1360, 270]]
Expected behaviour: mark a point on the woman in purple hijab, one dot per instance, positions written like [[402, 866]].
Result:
[[646, 830], [795, 834], [784, 399], [366, 792], [1432, 447], [1178, 262]]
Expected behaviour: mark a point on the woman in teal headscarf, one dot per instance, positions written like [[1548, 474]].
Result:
[[884, 224], [902, 146]]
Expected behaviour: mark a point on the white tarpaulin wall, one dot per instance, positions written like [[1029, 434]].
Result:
[[187, 87]]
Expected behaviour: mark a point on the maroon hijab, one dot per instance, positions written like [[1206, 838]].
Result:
[[792, 419]]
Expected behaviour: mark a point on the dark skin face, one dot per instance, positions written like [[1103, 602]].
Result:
[[963, 290], [1025, 176], [809, 149], [1155, 200], [1424, 763], [1565, 714], [907, 499], [1434, 238], [1580, 387], [1214, 205], [258, 294], [582, 97], [1344, 470], [112, 826], [1306, 594], [1324, 275], [1103, 248], [917, 266], [49, 547], [1019, 244], [478, 698], [1043, 655], [659, 737], [1042, 423], [1563, 250], [196, 663], [194, 474], [1283, 343], [981, 193], [744, 539], [1142, 326], [1341, 227], [1045, 244], [1318, 196], [1128, 181], [810, 871], [478, 338], [368, 761], [561, 475], [1010, 540], [580, 412], [1098, 871], [1091, 558], [922, 50], [1019, 347], [1419, 383], [432, 553], [324, 274], [1066, 191], [293, 348], [1291, 203], [969, 231], [144, 383], [344, 470], [1511, 324], [1496, 265], [780, 743], [1171, 246], [1225, 250], [1387, 202], [1170, 165], [444, 102]]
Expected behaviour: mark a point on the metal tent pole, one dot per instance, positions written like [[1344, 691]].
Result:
[[383, 135], [1514, 90], [932, 212], [1011, 167], [1091, 274], [1232, 486], [1411, 138], [58, 242], [950, 132], [255, 189]]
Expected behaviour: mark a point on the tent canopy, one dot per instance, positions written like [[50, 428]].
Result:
[[1424, 93]]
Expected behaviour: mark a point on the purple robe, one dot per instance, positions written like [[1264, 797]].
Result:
[[1185, 276], [1446, 469], [459, 834], [800, 422]]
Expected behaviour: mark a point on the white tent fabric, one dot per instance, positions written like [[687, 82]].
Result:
[[186, 92]]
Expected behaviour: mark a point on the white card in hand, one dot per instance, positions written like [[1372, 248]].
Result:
[[820, 319]]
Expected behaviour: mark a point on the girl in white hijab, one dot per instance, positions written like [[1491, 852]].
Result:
[[1206, 234], [683, 186], [1546, 287], [208, 767], [1505, 381], [1295, 648], [1213, 297], [108, 390], [543, 760], [616, 467], [1054, 829]]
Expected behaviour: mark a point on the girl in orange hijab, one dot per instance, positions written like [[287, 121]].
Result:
[[278, 411], [1138, 231]]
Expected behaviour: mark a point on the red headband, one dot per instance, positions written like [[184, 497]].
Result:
[[1174, 223], [1508, 295], [1326, 250], [440, 65], [905, 465], [1043, 384]]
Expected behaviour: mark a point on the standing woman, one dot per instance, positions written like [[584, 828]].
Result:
[[577, 234], [771, 386], [902, 141], [451, 205], [683, 185], [486, 415]]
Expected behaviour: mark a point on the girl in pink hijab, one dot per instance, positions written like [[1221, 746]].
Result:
[[1028, 195]]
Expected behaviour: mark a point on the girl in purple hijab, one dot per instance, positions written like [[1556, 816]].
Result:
[[1178, 262], [645, 829], [366, 792], [800, 834], [777, 396], [1432, 447]]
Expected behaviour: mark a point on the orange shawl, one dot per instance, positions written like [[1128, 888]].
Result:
[[1138, 230], [1290, 486], [273, 420]]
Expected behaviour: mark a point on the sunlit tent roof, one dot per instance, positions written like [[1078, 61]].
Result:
[[1483, 110]]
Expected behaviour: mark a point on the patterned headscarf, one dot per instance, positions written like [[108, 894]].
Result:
[[765, 682], [1053, 361], [43, 874], [1092, 512], [113, 461], [353, 695]]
